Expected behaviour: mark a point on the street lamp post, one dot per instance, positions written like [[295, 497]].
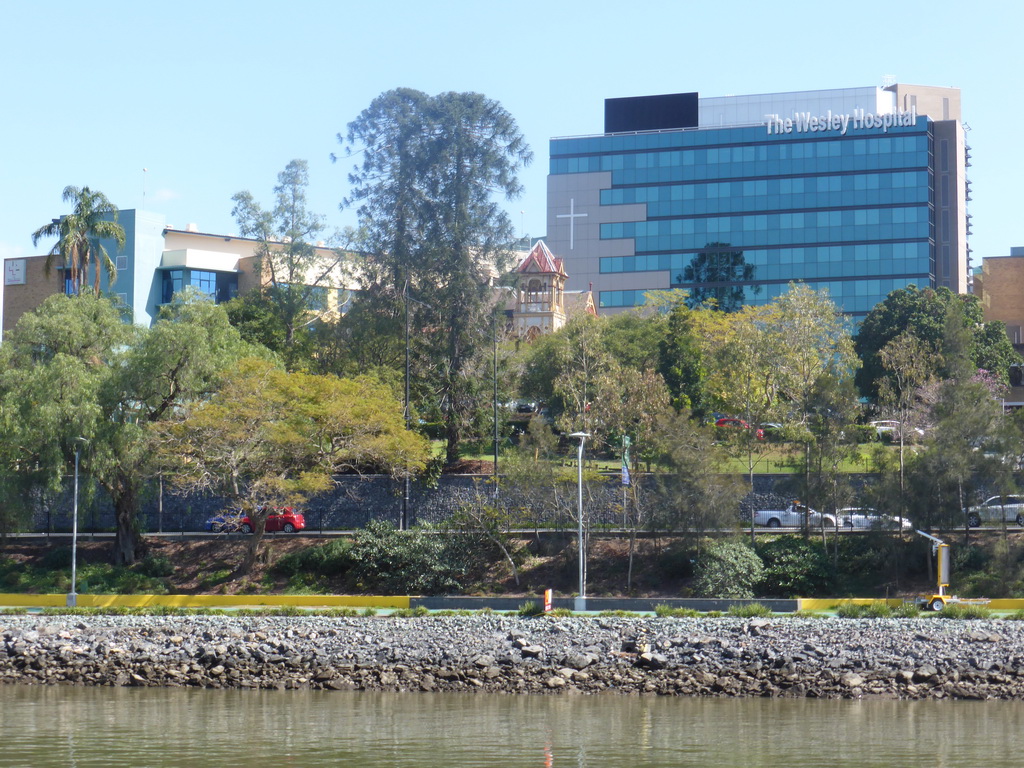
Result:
[[72, 599], [581, 600]]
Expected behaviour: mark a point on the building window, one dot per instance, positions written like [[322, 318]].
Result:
[[205, 282], [171, 284], [227, 287]]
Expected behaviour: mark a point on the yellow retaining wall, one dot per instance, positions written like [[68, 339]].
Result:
[[829, 604], [208, 601]]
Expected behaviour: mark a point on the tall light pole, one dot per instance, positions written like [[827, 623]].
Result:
[[72, 599], [581, 600]]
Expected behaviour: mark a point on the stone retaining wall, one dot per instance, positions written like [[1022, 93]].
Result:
[[793, 657]]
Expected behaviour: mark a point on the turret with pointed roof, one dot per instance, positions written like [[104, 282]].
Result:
[[540, 305]]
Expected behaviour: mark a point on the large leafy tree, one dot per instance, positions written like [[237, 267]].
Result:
[[78, 233], [268, 438], [922, 312], [682, 358], [74, 375], [296, 274], [429, 170]]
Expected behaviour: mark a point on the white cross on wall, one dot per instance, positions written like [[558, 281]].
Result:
[[571, 216]]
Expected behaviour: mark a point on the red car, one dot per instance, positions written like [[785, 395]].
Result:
[[278, 519], [739, 423]]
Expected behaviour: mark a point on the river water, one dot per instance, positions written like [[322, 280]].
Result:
[[43, 727]]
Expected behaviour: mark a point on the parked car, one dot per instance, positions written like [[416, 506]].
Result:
[[890, 430], [995, 509], [738, 424], [278, 519], [793, 516], [866, 517]]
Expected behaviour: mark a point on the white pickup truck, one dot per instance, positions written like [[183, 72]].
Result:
[[793, 517]]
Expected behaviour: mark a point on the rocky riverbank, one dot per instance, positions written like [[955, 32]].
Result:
[[782, 656]]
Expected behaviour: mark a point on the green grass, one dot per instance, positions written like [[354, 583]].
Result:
[[669, 612], [749, 610], [964, 612], [530, 608], [411, 613]]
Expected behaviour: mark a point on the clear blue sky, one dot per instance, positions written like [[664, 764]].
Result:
[[218, 96]]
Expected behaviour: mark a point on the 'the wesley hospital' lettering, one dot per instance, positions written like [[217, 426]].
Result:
[[805, 122]]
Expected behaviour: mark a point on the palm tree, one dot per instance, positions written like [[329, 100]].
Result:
[[78, 233]]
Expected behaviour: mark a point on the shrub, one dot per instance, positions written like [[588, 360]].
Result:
[[58, 557], [964, 612], [155, 566], [387, 560], [331, 559], [748, 610], [411, 613], [728, 569], [669, 612], [794, 567], [850, 611], [530, 608], [339, 612], [877, 611], [907, 610], [559, 613]]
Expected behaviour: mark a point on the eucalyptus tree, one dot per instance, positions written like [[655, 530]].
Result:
[[78, 234], [907, 361], [960, 450], [425, 184], [295, 271]]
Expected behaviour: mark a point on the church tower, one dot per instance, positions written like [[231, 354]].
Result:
[[540, 300]]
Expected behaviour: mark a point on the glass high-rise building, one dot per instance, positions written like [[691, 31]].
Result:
[[861, 191]]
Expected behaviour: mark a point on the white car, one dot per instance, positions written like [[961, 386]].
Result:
[[855, 518], [793, 516], [890, 430], [995, 509]]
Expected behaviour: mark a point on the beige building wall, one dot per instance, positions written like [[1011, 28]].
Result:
[[936, 102], [1000, 287], [942, 105]]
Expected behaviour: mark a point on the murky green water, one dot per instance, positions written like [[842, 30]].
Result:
[[43, 727]]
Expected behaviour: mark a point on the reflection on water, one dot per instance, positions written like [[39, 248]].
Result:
[[82, 727]]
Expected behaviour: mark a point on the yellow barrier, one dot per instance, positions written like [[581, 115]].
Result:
[[208, 601], [830, 604]]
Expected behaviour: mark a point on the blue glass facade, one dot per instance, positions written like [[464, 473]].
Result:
[[737, 213], [220, 286]]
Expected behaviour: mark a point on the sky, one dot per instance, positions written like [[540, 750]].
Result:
[[175, 107]]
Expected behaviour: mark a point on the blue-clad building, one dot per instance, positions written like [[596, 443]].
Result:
[[860, 191]]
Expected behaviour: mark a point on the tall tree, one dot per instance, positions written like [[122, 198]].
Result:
[[78, 234], [681, 359], [923, 312], [430, 168], [296, 272], [907, 361]]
